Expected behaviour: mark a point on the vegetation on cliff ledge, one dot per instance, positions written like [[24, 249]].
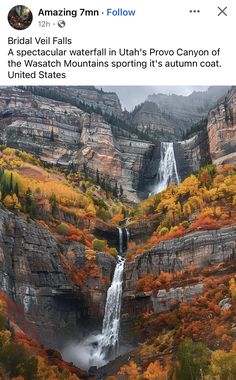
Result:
[[203, 201]]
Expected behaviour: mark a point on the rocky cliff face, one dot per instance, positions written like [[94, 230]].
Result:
[[149, 118], [185, 111], [135, 155], [119, 160], [192, 154], [222, 130], [33, 275], [196, 250], [107, 102], [100, 151], [47, 128]]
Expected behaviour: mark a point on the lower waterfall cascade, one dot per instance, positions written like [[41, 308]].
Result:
[[98, 349], [108, 342], [167, 171]]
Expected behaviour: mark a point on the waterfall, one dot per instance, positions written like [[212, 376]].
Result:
[[109, 339], [120, 240], [127, 237], [167, 171], [108, 342], [98, 349], [123, 240]]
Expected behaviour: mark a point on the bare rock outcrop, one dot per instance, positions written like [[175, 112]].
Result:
[[108, 102], [47, 128], [222, 130], [164, 300], [192, 154]]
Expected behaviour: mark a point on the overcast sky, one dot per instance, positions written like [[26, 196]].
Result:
[[130, 96]]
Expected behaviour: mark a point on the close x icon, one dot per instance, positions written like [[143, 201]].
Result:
[[222, 11]]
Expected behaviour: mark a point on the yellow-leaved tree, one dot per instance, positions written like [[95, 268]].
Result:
[[156, 372], [12, 202], [130, 371]]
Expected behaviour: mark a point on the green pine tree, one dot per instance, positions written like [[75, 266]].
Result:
[[28, 199], [53, 202], [33, 209], [5, 189], [1, 173], [16, 189], [11, 184], [97, 177], [115, 190]]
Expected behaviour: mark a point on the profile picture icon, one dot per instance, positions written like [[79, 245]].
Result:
[[20, 17]]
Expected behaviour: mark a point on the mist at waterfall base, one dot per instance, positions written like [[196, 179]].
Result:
[[167, 170], [98, 349], [83, 353]]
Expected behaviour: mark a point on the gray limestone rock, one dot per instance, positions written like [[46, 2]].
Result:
[[225, 304], [164, 299], [32, 275]]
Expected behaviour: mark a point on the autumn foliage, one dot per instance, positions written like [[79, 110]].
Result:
[[201, 202]]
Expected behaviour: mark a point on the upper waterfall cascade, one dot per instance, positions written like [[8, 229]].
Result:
[[120, 240], [167, 171], [123, 239]]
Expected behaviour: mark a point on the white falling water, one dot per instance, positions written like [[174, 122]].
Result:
[[127, 237], [97, 350], [167, 172], [109, 338], [120, 240]]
